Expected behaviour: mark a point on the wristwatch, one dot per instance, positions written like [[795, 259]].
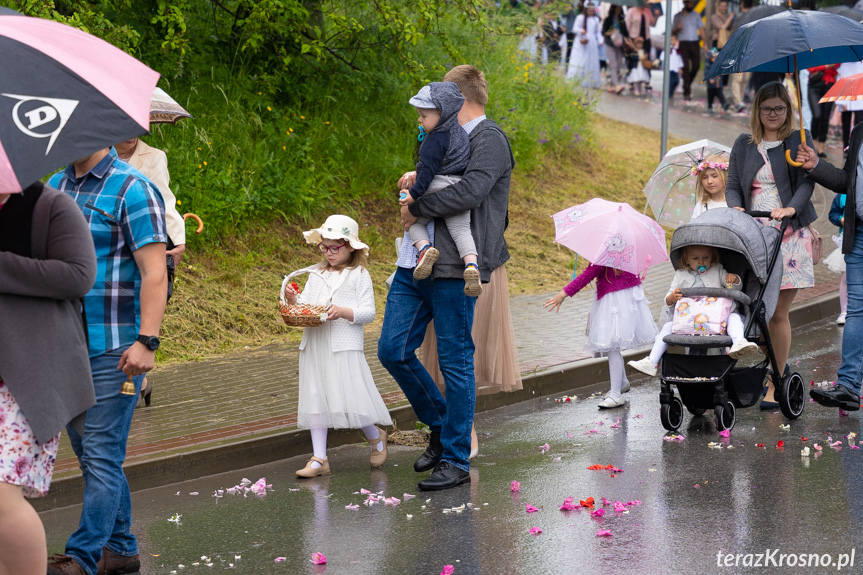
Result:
[[151, 341]]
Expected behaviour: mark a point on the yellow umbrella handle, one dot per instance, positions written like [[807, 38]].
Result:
[[197, 219], [799, 110]]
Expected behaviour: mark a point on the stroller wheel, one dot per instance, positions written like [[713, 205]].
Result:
[[792, 396], [726, 416], [671, 414], [696, 411]]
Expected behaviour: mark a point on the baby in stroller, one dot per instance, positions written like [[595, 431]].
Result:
[[698, 267]]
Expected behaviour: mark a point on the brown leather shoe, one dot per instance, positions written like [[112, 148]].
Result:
[[113, 564], [64, 565]]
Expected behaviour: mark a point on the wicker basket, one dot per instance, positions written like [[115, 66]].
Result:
[[302, 315]]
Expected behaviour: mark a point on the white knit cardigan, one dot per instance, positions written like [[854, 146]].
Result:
[[354, 291]]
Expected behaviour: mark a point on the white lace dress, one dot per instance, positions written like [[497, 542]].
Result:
[[336, 388]]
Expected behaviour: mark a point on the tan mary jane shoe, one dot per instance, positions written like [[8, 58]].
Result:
[[378, 458], [309, 471]]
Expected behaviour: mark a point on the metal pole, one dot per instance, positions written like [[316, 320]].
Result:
[[666, 78]]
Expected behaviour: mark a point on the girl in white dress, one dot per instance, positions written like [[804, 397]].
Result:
[[711, 175], [336, 385], [584, 59]]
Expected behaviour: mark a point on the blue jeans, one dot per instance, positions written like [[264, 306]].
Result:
[[410, 307], [851, 370], [106, 517]]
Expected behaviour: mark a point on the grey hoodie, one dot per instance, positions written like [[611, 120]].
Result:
[[445, 150]]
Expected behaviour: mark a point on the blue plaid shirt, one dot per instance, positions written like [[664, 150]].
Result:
[[125, 211]]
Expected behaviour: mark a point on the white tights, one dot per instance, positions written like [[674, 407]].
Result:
[[319, 441], [734, 328], [617, 373]]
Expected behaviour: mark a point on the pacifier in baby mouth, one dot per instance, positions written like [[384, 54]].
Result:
[[701, 269]]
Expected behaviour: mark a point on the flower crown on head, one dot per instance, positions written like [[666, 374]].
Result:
[[709, 166]]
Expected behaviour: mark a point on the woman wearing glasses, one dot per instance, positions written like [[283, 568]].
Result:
[[760, 179]]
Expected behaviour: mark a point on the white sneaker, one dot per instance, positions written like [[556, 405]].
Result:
[[841, 319], [610, 403], [742, 349], [644, 365]]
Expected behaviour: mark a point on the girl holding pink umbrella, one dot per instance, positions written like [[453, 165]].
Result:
[[621, 244]]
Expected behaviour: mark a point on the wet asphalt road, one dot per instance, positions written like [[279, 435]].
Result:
[[700, 506]]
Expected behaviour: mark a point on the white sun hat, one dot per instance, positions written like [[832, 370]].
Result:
[[338, 228]]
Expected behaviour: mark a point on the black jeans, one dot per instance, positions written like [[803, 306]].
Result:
[[715, 92], [691, 54], [820, 112]]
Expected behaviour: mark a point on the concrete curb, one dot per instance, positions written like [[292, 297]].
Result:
[[157, 472]]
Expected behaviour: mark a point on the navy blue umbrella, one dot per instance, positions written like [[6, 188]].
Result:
[[786, 41]]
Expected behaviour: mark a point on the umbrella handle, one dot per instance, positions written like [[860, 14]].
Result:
[[799, 111], [197, 219], [790, 161]]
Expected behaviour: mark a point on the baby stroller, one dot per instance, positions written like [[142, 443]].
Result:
[[750, 250]]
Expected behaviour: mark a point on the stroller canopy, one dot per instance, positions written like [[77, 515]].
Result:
[[744, 244]]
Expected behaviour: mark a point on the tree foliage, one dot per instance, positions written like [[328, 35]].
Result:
[[283, 42]]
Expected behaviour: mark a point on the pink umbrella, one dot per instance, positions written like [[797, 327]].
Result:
[[611, 234], [64, 94]]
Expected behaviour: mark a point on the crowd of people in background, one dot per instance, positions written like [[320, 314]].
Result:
[[610, 46]]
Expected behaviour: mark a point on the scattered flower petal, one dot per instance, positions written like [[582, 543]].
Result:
[[352, 506], [804, 452], [725, 433], [587, 502], [598, 513], [568, 504], [780, 444], [447, 570], [603, 533], [319, 558], [280, 559], [544, 448], [515, 486], [535, 530]]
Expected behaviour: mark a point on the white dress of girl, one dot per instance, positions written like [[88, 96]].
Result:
[[336, 388]]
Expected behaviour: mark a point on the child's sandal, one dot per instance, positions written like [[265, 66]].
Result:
[[378, 458], [309, 471]]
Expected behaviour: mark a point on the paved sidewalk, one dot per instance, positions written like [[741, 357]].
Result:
[[203, 405]]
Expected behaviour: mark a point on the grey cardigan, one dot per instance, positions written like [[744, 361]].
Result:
[[484, 191], [746, 160], [43, 350], [843, 181]]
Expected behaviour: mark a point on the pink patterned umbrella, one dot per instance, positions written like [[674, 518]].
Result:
[[611, 234]]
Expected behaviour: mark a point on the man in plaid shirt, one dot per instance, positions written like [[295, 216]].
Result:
[[123, 312]]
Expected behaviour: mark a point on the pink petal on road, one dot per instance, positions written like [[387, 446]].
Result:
[[515, 486], [842, 413], [530, 508], [447, 570], [280, 559], [619, 507], [603, 533], [407, 496], [725, 433], [598, 513], [568, 504], [319, 558], [605, 501], [352, 506], [535, 530], [365, 491]]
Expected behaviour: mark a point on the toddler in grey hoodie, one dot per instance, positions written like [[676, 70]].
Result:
[[443, 156]]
